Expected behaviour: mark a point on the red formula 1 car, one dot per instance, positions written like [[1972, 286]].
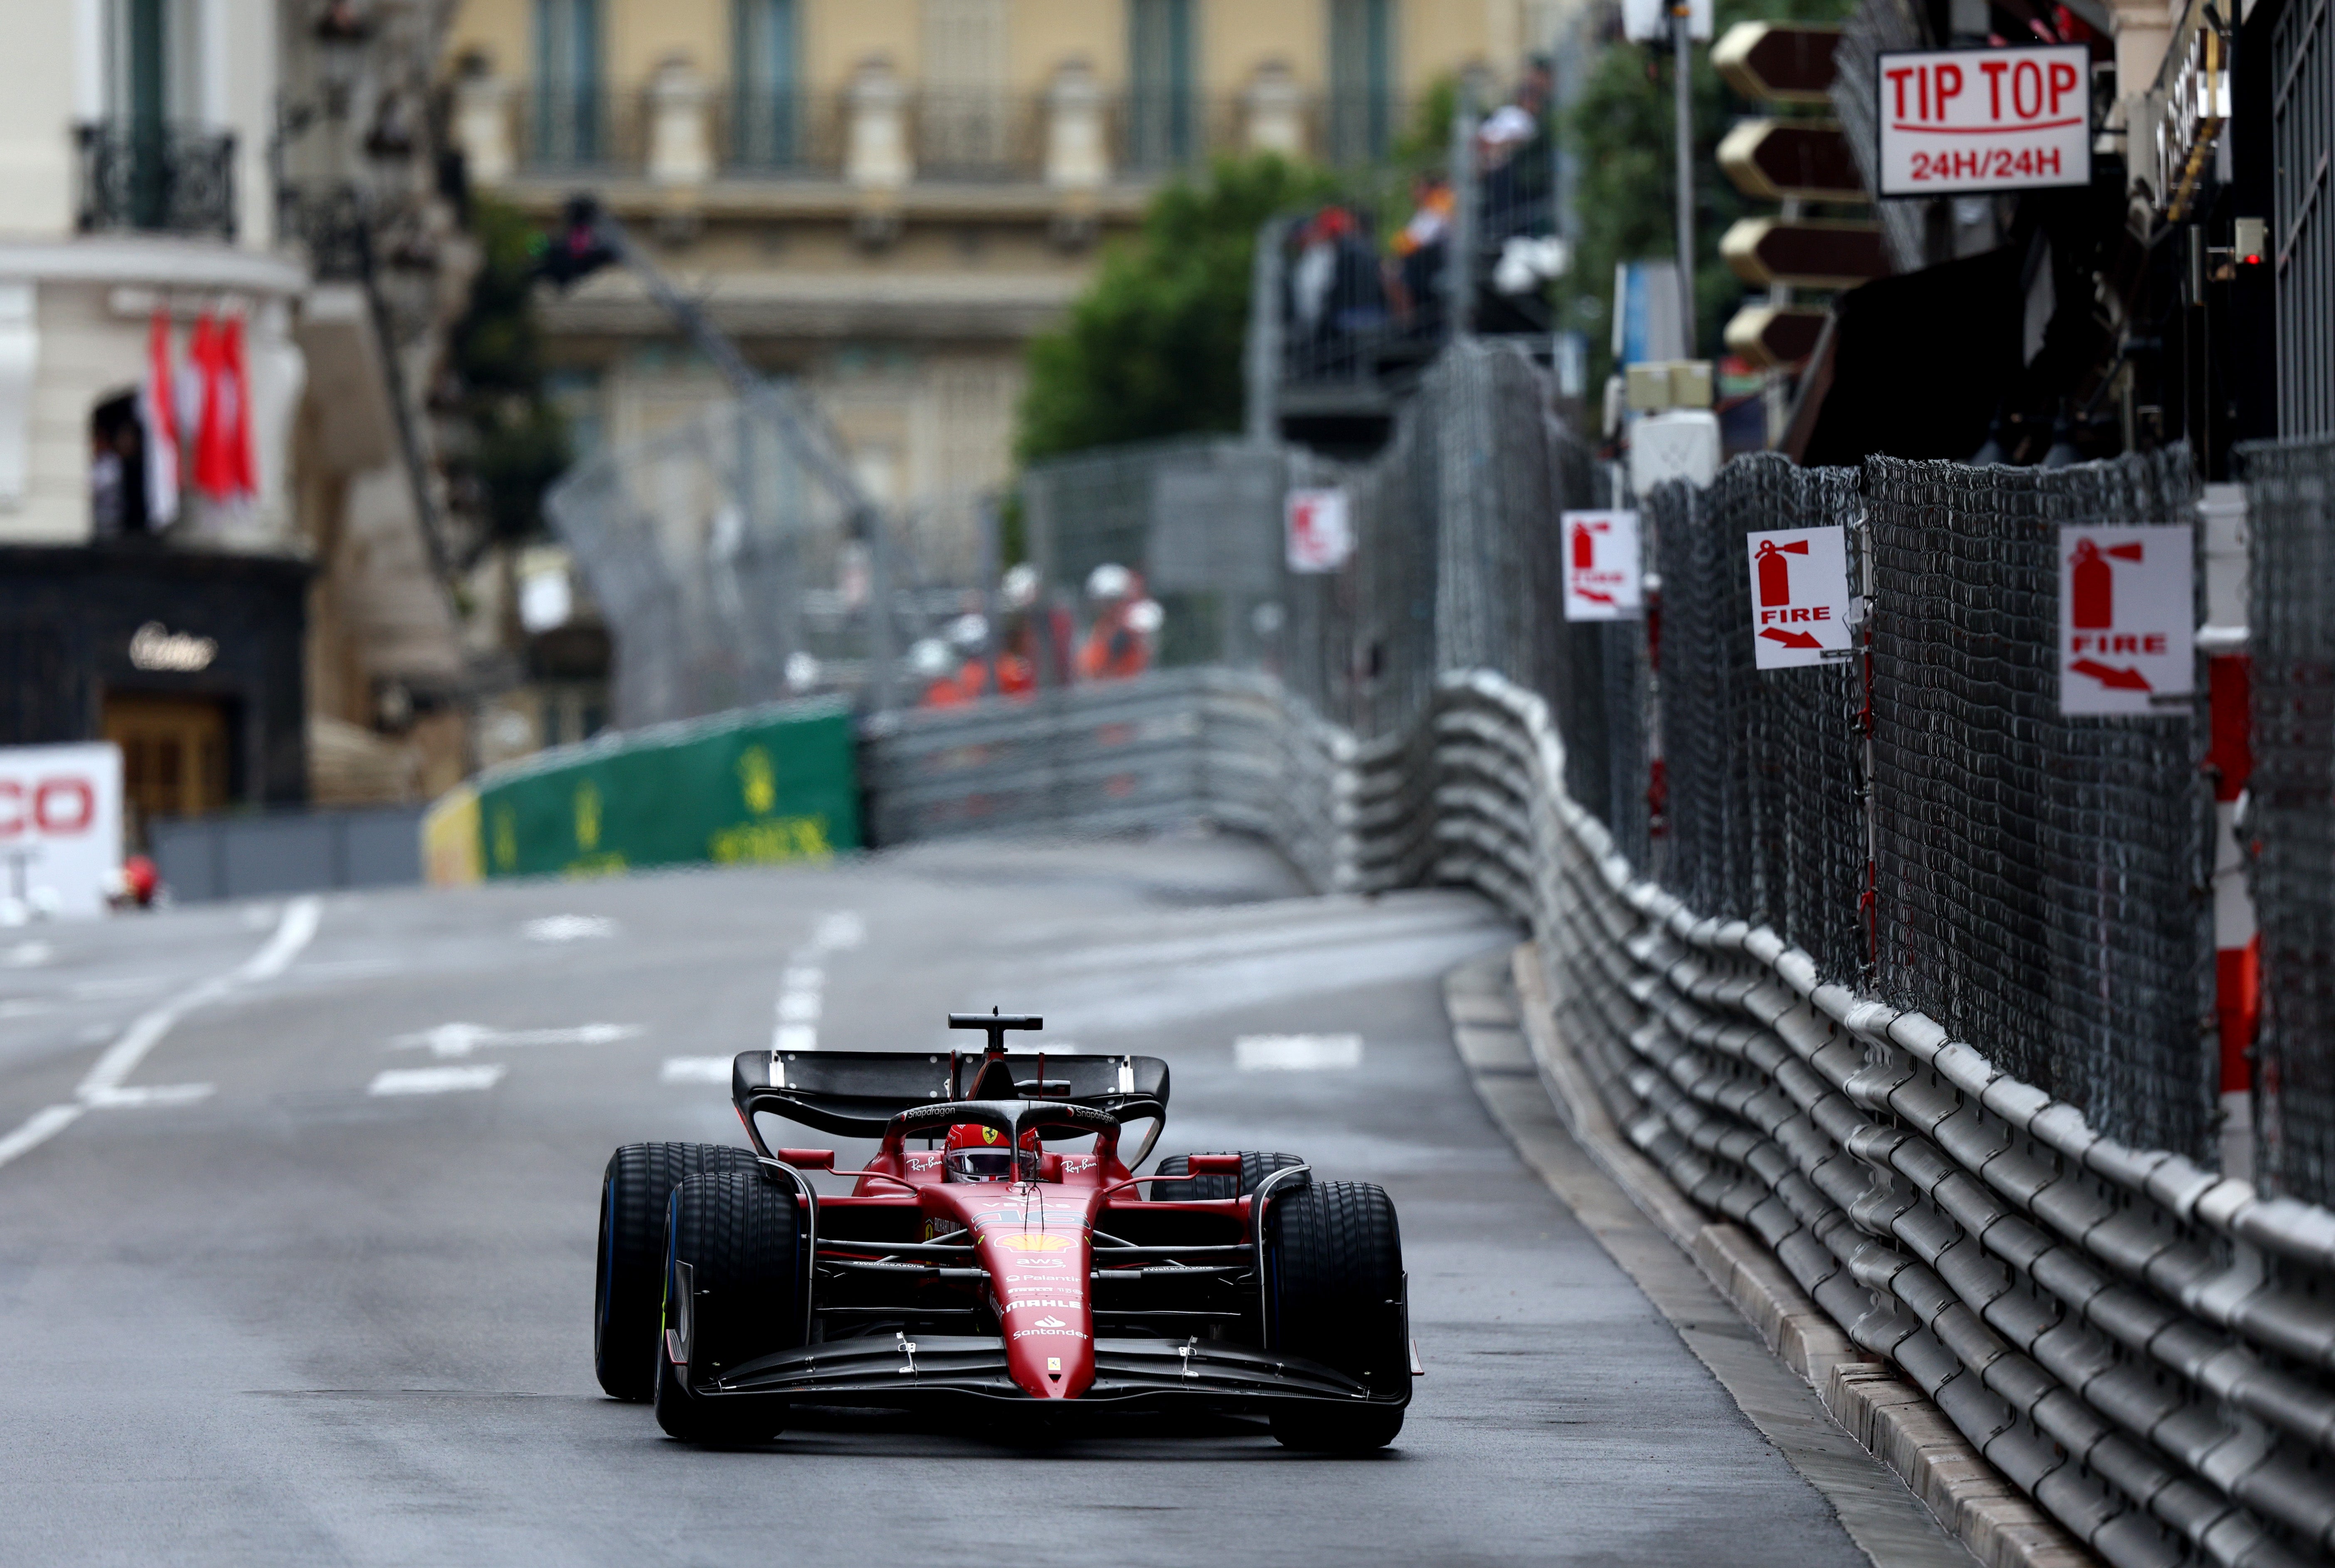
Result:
[[990, 1271]]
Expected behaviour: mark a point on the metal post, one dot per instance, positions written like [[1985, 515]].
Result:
[[990, 553], [1682, 48], [881, 657]]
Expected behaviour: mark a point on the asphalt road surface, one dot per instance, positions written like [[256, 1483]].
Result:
[[297, 1205]]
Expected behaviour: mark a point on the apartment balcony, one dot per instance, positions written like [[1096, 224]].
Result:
[[153, 178], [885, 136]]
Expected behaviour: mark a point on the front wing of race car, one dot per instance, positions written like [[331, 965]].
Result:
[[1130, 1373]]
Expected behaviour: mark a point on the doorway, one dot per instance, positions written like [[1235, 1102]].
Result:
[[174, 754]]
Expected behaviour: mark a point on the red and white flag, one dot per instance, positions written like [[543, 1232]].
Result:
[[157, 410], [223, 467]]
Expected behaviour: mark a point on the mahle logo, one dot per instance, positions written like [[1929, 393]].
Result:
[[757, 780], [588, 816]]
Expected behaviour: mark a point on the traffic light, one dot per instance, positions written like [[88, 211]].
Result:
[[574, 249]]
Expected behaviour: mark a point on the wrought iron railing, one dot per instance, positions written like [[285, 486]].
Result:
[[149, 177]]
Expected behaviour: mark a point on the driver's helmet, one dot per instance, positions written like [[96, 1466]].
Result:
[[977, 1151]]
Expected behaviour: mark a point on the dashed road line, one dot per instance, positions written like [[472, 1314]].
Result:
[[398, 1081], [1296, 1052], [802, 989], [104, 1086], [695, 1069], [462, 1038]]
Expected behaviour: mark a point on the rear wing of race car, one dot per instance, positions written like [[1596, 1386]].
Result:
[[857, 1093]]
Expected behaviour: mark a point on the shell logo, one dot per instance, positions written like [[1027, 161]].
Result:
[[1035, 1242]]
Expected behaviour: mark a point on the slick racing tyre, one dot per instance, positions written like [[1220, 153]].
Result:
[[1255, 1168], [733, 1292], [629, 1285], [1334, 1257]]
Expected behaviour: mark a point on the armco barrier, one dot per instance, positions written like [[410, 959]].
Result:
[[2141, 1345], [207, 857], [769, 784], [1176, 745]]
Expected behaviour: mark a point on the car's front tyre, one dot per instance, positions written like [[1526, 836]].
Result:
[[1333, 1254], [733, 1292]]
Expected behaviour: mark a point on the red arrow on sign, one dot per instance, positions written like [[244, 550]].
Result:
[[1792, 639], [1593, 597], [2108, 674]]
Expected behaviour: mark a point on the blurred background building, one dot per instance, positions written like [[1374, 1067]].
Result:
[[211, 547], [886, 200]]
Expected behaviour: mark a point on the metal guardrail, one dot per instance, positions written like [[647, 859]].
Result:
[[202, 859], [2140, 1344]]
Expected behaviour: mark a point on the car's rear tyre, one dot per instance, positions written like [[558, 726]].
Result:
[[1333, 1257], [1255, 1168], [731, 1238], [629, 1289]]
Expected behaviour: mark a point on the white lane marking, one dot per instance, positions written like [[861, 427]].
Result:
[[843, 929], [803, 977], [436, 1079], [794, 1037], [147, 1030], [102, 1086], [25, 1008], [462, 1038], [695, 1069], [798, 1007], [569, 928], [27, 955], [804, 981], [39, 1128], [156, 1094], [1296, 1052]]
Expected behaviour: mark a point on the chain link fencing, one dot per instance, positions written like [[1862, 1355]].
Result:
[[2039, 880], [2290, 815], [728, 574]]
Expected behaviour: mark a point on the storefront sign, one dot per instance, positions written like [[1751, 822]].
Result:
[[2127, 619], [1958, 121], [1799, 597], [1601, 568], [60, 828], [154, 646]]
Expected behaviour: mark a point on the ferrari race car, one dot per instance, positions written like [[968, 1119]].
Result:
[[985, 1271]]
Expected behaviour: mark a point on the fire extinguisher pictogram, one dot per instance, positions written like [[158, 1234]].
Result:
[[2091, 599], [1774, 572], [1585, 547]]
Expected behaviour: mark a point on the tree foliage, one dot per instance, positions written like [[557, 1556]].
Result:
[[1620, 132], [518, 440], [1154, 346]]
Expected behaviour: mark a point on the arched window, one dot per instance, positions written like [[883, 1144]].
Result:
[[765, 107]]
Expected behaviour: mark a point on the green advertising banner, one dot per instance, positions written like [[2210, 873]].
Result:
[[769, 785]]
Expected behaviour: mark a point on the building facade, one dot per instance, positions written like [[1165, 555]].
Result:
[[886, 199], [141, 218]]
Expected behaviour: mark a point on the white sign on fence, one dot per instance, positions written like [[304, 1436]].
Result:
[[1799, 596], [2127, 619], [60, 827], [1956, 121], [1320, 533], [1603, 579]]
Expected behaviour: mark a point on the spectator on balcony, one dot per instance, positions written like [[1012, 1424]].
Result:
[[1336, 294], [1414, 275], [1513, 150]]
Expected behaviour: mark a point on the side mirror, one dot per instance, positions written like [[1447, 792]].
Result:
[[808, 1159], [1213, 1165], [1050, 1168]]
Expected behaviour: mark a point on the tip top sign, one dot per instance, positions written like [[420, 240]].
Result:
[[2126, 616], [1603, 580], [1799, 597], [1975, 120]]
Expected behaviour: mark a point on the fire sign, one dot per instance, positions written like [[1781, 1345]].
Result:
[[1603, 580], [1799, 596], [2127, 619]]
